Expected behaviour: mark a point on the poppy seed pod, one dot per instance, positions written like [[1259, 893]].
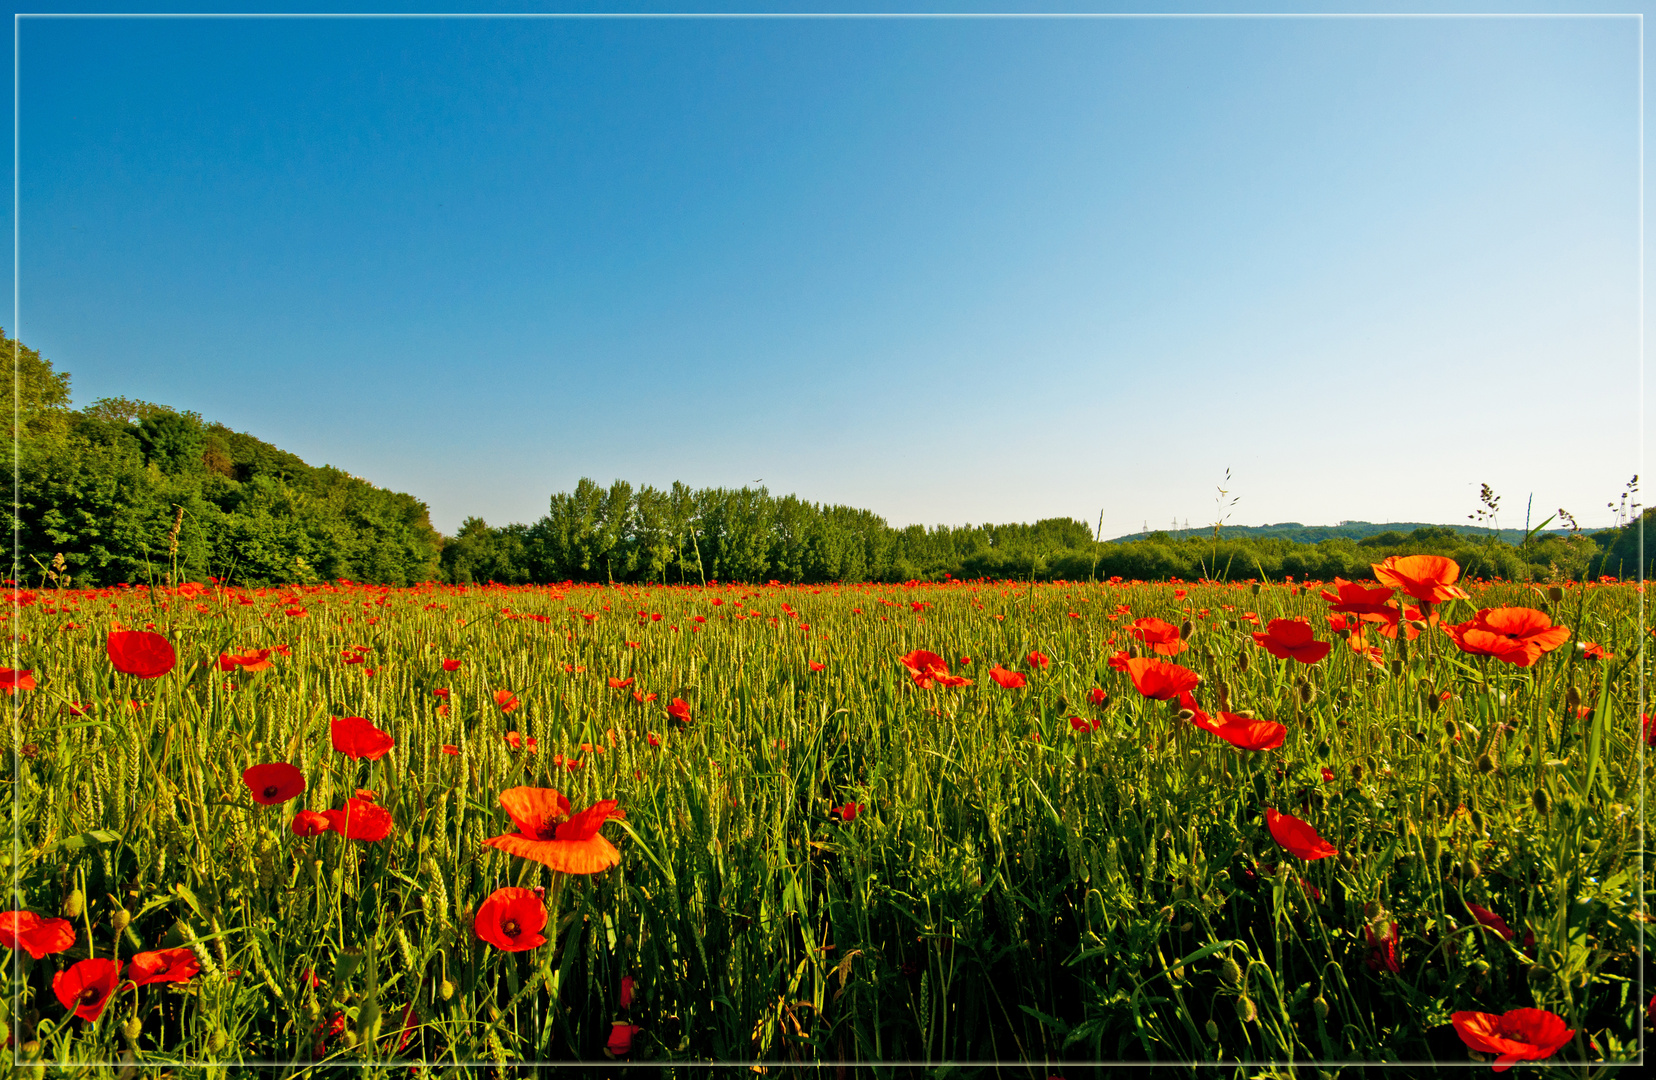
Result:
[[1255, 588], [1554, 593]]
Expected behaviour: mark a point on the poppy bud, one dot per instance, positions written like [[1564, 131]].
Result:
[[1486, 764], [1572, 699], [73, 904], [1245, 1010], [348, 1037], [1186, 715], [1319, 1005], [1449, 727], [31, 1049], [1396, 666], [132, 1029], [1224, 697], [1539, 974], [1539, 798], [219, 1041], [120, 919], [446, 989], [1434, 850], [1477, 816], [1554, 593], [1241, 662], [1166, 914], [1231, 972], [1185, 628], [1306, 692], [1213, 1031], [1255, 588]]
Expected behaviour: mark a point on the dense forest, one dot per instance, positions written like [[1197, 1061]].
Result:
[[130, 491]]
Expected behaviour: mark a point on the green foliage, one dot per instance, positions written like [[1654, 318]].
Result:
[[618, 534], [131, 491], [1015, 888]]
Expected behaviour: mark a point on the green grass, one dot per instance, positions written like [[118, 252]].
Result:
[[1015, 889]]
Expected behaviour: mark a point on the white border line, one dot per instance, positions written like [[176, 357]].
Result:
[[1093, 16]]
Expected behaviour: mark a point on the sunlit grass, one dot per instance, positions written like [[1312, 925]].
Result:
[[1016, 888]]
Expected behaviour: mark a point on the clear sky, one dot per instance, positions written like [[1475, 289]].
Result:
[[951, 270]]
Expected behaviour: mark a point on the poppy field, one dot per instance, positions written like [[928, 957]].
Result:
[[1391, 820]]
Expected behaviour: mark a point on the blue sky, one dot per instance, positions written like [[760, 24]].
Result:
[[950, 270]]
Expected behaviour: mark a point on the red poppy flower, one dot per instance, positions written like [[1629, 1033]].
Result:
[[1649, 728], [924, 667], [1009, 680], [551, 835], [1516, 1035], [1592, 650], [1357, 599], [13, 681], [141, 653], [163, 965], [1097, 696], [36, 936], [621, 1038], [451, 665], [87, 987], [1162, 637], [1118, 661], [1383, 949], [849, 811], [360, 819], [310, 823], [1085, 725], [274, 783], [511, 920], [355, 737], [1292, 639], [1159, 679], [1296, 837], [442, 692], [1239, 731], [621, 684], [642, 698], [253, 660], [1430, 578], [626, 991], [1513, 635], [679, 711], [1039, 660], [452, 751], [815, 666], [507, 700], [1490, 919]]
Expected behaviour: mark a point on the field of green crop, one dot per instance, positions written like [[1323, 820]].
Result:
[[827, 854]]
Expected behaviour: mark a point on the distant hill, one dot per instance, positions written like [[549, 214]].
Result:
[[1315, 534]]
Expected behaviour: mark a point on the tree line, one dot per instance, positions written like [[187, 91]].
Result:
[[125, 490], [628, 534]]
